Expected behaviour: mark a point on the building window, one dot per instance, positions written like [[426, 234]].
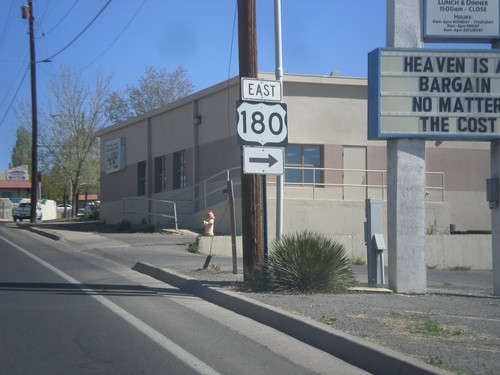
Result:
[[179, 170], [302, 159], [160, 175], [141, 178]]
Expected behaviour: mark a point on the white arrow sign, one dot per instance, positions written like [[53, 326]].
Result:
[[262, 124], [263, 160]]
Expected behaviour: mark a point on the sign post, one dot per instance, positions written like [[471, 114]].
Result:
[[262, 121]]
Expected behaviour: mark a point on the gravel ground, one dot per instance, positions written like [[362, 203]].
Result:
[[458, 333], [466, 341]]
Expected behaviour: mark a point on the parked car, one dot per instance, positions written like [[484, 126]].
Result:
[[23, 211], [60, 208], [81, 212], [92, 207]]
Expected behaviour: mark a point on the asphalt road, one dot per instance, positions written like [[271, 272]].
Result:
[[64, 311]]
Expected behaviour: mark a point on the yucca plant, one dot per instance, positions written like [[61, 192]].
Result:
[[309, 262]]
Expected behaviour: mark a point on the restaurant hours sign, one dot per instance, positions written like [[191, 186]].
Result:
[[434, 94], [461, 20]]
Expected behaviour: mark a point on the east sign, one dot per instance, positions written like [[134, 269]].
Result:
[[434, 94], [261, 90]]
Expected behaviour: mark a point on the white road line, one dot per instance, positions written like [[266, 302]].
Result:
[[170, 346]]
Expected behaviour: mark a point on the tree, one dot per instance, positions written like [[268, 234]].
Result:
[[21, 152], [68, 152], [156, 87]]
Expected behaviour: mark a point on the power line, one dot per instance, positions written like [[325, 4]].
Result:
[[6, 24], [107, 48], [117, 37], [44, 34], [7, 92], [78, 35], [13, 98]]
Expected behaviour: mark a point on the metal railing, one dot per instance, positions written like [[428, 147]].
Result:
[[212, 191], [207, 193], [374, 183], [156, 209]]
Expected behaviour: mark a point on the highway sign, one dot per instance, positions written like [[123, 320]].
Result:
[[263, 160], [261, 90], [262, 124]]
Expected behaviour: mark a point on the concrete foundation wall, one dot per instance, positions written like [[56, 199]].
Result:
[[461, 250], [443, 251], [341, 220]]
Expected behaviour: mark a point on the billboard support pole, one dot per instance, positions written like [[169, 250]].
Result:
[[406, 173]]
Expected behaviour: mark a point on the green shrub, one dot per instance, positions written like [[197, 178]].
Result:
[[358, 261], [214, 267], [308, 262], [304, 262], [193, 247], [327, 319], [124, 225], [428, 327], [435, 361], [460, 268]]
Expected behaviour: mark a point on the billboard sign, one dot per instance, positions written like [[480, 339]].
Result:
[[434, 94]]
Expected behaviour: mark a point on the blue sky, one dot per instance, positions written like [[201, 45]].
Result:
[[319, 36]]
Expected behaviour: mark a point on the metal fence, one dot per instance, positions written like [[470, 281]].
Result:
[[323, 184], [158, 212], [206, 193], [342, 184]]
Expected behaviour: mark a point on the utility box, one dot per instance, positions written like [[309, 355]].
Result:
[[375, 243], [492, 192]]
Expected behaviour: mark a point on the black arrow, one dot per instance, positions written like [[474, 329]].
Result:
[[270, 160]]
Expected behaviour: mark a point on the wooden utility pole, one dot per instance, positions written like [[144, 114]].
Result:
[[250, 183], [28, 13]]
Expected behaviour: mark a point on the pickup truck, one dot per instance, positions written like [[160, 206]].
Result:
[[23, 211]]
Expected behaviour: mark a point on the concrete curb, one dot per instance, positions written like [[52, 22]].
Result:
[[42, 232], [365, 355]]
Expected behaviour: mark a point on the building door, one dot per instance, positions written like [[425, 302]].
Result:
[[354, 176]]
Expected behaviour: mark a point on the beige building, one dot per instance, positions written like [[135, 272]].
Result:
[[185, 152]]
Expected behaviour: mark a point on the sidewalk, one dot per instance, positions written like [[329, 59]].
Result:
[[456, 326]]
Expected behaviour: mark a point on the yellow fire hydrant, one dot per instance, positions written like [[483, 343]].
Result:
[[208, 224]]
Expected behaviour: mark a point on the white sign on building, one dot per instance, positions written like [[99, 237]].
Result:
[[461, 20], [114, 155], [434, 94], [18, 173]]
